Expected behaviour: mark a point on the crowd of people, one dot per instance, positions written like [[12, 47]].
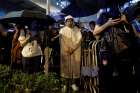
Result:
[[103, 60]]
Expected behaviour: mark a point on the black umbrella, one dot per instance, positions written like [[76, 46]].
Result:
[[81, 8], [94, 5], [27, 16], [117, 2], [76, 11], [17, 5]]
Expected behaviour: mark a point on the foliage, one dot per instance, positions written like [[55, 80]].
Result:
[[19, 82], [4, 78]]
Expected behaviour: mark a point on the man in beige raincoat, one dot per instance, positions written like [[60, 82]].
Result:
[[70, 44]]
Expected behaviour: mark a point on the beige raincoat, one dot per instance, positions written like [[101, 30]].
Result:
[[70, 40]]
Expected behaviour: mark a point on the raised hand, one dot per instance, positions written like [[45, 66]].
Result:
[[112, 22]]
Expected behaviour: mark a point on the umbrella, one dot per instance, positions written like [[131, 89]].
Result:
[[95, 5], [25, 13], [27, 16], [119, 2], [76, 11], [17, 5], [58, 16], [82, 8]]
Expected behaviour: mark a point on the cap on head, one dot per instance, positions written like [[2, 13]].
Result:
[[68, 17]]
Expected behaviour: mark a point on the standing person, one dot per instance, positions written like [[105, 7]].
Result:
[[51, 51], [136, 49], [89, 67], [108, 26], [55, 52], [31, 52], [70, 45], [5, 44], [47, 47], [16, 56], [1, 43], [92, 25]]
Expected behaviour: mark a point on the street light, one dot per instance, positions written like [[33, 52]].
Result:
[[47, 7]]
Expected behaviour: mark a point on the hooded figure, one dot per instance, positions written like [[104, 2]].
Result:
[[70, 45]]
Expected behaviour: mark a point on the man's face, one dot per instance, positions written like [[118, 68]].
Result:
[[69, 22], [92, 26]]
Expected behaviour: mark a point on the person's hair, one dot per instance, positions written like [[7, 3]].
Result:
[[138, 4], [136, 13], [92, 23], [137, 9], [77, 24], [114, 13], [4, 25]]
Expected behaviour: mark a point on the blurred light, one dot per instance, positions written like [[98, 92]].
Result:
[[108, 9], [62, 3], [11, 30], [128, 4], [57, 3], [63, 7], [134, 1]]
